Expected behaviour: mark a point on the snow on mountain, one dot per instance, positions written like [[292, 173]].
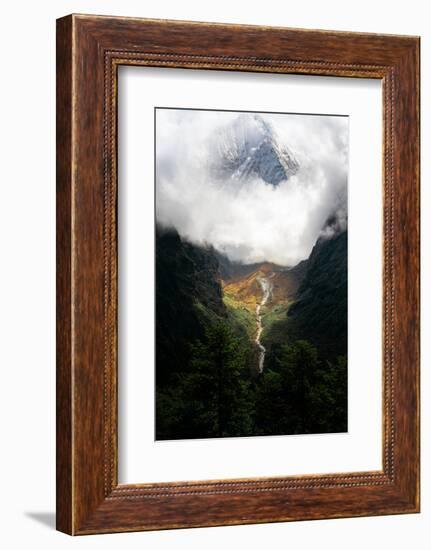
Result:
[[249, 147]]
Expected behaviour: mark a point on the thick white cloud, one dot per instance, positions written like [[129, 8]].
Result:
[[251, 221]]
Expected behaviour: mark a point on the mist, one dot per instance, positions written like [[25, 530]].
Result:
[[252, 221]]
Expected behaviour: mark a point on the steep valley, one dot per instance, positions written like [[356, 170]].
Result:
[[235, 342], [261, 298]]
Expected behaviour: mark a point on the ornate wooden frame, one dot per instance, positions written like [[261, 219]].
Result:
[[89, 51]]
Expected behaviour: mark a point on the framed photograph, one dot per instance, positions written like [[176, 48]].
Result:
[[237, 274]]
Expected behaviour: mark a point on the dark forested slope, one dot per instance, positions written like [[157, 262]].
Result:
[[319, 313], [188, 297]]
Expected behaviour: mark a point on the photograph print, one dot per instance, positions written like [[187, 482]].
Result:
[[251, 273]]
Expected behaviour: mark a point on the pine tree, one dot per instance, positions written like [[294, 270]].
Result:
[[214, 397]]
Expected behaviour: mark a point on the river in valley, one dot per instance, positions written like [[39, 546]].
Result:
[[266, 286]]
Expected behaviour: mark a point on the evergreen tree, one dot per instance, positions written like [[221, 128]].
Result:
[[214, 397], [301, 395]]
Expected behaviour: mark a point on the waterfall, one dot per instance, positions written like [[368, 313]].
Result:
[[266, 286]]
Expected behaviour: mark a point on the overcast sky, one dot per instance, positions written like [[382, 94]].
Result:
[[253, 221]]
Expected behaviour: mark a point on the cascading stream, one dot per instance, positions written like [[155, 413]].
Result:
[[266, 286]]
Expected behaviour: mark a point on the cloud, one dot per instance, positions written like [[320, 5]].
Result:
[[251, 221]]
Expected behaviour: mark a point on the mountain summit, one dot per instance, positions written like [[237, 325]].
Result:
[[249, 147]]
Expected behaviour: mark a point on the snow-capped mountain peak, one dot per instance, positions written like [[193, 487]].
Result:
[[249, 147]]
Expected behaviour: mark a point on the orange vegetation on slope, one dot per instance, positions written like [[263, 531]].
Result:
[[246, 291]]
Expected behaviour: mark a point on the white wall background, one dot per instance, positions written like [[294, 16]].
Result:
[[27, 286]]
